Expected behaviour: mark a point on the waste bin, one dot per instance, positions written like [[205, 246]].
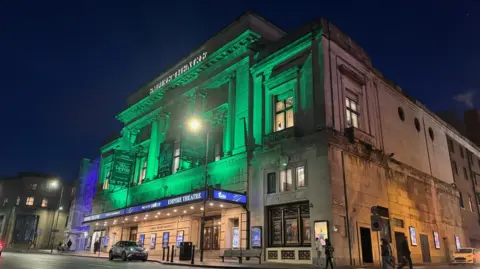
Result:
[[185, 251]]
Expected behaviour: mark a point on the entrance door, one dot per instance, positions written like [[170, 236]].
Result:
[[133, 234], [366, 243], [399, 237], [211, 238], [425, 248]]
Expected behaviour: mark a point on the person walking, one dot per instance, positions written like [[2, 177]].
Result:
[[96, 246], [328, 254], [318, 248], [406, 255], [69, 244], [387, 257]]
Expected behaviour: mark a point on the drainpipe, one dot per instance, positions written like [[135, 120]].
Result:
[[249, 165], [347, 215]]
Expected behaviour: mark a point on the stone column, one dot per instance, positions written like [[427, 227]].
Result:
[[230, 126], [157, 136]]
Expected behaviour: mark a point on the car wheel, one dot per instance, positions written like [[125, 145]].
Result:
[[145, 259], [124, 256], [110, 255]]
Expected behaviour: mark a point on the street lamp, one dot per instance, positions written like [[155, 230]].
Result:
[[54, 184], [195, 125]]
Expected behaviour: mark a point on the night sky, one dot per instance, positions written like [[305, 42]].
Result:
[[68, 66]]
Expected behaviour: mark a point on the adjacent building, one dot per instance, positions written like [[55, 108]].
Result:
[[266, 139], [33, 210]]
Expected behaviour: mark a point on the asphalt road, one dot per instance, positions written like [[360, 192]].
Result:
[[10, 260]]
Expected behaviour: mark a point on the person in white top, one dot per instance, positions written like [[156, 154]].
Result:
[[318, 248]]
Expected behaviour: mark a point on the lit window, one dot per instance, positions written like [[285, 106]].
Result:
[[143, 173], [18, 200], [286, 180], [283, 114], [44, 202], [5, 201], [352, 112], [29, 201], [176, 157], [300, 177], [32, 187], [106, 182]]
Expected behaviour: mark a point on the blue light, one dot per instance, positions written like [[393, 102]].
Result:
[[230, 197]]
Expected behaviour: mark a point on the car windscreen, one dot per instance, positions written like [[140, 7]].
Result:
[[464, 250], [131, 244]]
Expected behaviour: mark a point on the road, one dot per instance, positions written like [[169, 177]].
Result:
[[10, 260]]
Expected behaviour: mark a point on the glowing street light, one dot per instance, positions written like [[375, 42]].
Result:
[[194, 124]]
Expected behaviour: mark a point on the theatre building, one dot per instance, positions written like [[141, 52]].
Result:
[[277, 139]]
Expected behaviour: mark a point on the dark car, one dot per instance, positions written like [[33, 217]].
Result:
[[128, 250]]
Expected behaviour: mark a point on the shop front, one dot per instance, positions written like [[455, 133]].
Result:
[[167, 222]]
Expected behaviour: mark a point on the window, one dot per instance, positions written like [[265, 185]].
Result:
[[430, 132], [271, 183], [417, 124], [461, 152], [465, 174], [176, 157], [143, 172], [450, 145], [478, 198], [32, 186], [5, 201], [352, 112], [476, 178], [300, 180], [461, 201], [398, 223], [283, 113], [29, 201], [454, 168], [470, 159], [470, 203], [18, 200], [44, 202], [218, 151], [106, 182], [286, 180], [289, 225], [401, 114]]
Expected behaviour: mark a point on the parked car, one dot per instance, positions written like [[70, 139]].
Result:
[[128, 250], [466, 256]]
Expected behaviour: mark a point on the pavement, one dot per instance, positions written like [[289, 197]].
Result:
[[80, 260]]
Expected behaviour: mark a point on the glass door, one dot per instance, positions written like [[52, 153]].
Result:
[[211, 238]]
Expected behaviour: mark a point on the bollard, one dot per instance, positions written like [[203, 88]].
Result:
[[193, 254], [163, 255], [173, 250], [168, 252]]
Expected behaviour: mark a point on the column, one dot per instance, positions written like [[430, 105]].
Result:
[[230, 126], [152, 150]]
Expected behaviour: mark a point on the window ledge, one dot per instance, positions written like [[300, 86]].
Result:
[[278, 136]]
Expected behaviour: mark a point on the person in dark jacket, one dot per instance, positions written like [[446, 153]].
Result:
[[328, 254], [386, 255], [405, 251]]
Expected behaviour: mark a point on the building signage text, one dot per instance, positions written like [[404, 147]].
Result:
[[167, 202], [104, 215], [180, 71], [230, 196]]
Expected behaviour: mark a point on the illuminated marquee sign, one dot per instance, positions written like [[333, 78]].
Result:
[[104, 215], [230, 196], [167, 202], [180, 71]]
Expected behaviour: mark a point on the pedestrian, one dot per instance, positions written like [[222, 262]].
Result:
[[406, 255], [318, 248], [328, 254], [69, 244], [96, 246], [387, 257]]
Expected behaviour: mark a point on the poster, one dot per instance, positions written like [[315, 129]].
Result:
[[166, 237], [307, 231], [141, 240], [413, 235], [256, 237], [236, 238], [179, 238], [277, 232], [436, 241], [321, 231], [457, 242], [153, 241], [291, 231], [123, 162]]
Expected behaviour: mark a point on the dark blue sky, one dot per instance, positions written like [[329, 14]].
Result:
[[68, 66]]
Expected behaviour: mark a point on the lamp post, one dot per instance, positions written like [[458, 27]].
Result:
[[55, 184], [194, 124]]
